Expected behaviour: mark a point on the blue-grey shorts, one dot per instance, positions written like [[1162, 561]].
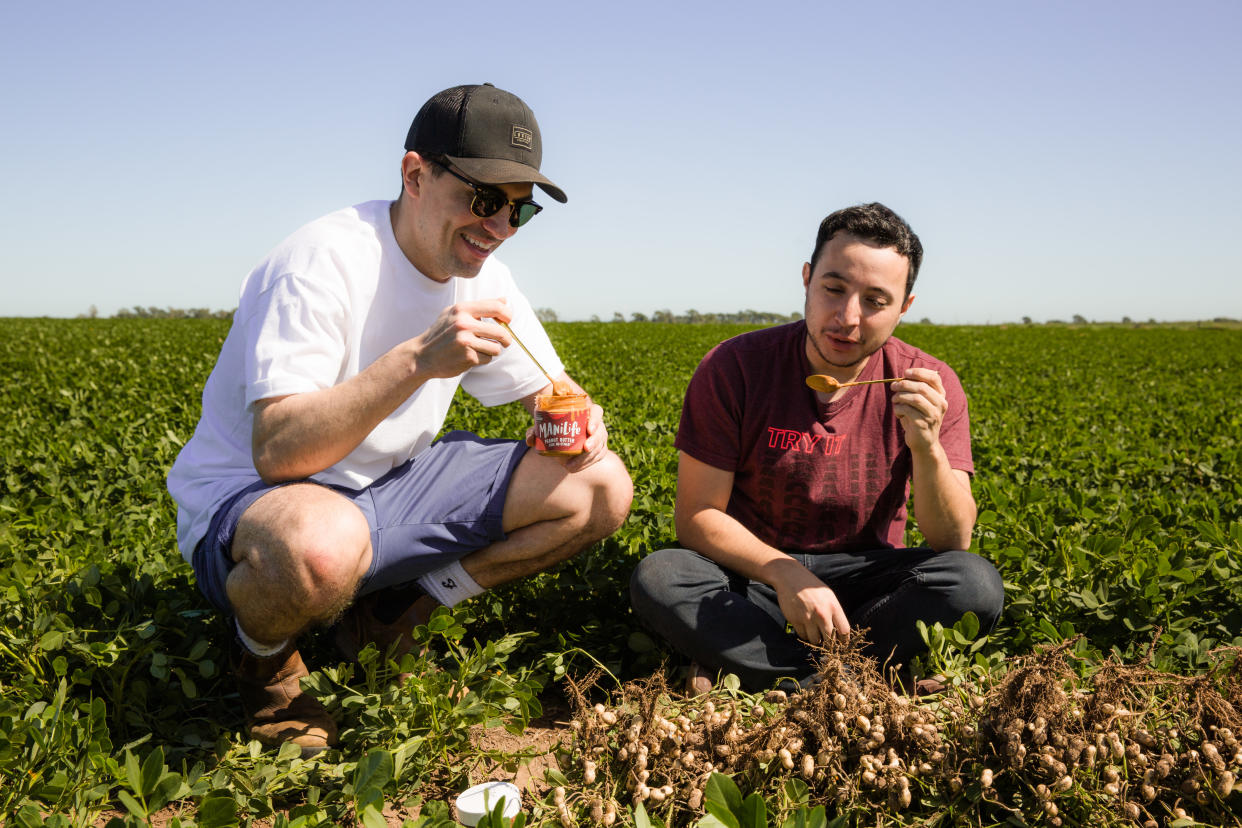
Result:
[[426, 513]]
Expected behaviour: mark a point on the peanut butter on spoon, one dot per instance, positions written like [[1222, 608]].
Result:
[[827, 384]]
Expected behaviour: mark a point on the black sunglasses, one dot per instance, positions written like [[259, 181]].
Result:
[[488, 200]]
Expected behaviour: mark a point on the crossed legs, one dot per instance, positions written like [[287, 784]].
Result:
[[723, 621]]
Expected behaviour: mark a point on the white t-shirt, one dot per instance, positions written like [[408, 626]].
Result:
[[325, 304]]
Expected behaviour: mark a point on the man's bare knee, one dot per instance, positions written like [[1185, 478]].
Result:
[[601, 496], [552, 515], [604, 504], [612, 493], [591, 499], [306, 544]]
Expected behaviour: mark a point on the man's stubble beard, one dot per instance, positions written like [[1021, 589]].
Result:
[[822, 356]]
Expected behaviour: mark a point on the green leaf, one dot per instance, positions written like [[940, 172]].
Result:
[[28, 816], [555, 777], [217, 810], [440, 622], [133, 772], [373, 772], [1184, 575], [643, 820], [1045, 626], [131, 804], [796, 791], [288, 752], [640, 642], [372, 817], [808, 818], [717, 816], [169, 787], [723, 790], [152, 769], [753, 813], [495, 818], [968, 626]]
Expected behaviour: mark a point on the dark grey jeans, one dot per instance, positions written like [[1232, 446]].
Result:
[[726, 622]]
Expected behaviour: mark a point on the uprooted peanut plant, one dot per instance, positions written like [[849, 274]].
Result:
[[1126, 745]]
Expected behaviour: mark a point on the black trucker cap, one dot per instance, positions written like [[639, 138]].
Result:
[[487, 133]]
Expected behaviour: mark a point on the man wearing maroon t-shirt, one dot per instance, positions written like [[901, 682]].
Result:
[[791, 503]]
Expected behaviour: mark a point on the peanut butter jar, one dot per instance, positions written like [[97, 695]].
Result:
[[561, 423]]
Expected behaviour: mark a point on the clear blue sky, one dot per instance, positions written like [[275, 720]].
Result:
[[1057, 158]]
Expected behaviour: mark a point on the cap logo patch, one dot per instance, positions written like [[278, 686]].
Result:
[[522, 137]]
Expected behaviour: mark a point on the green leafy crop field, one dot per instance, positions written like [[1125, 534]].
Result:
[[1110, 494]]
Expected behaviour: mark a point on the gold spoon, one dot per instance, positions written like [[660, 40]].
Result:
[[827, 384], [558, 388]]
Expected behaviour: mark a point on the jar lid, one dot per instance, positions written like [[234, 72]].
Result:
[[478, 800]]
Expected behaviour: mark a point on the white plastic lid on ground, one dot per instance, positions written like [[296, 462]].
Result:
[[474, 802]]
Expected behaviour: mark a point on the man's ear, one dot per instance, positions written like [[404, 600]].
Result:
[[905, 306], [412, 168], [806, 273]]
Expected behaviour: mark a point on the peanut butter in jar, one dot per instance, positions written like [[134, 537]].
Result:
[[561, 423]]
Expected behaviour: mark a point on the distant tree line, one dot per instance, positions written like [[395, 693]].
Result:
[[139, 312], [690, 317], [1079, 319]]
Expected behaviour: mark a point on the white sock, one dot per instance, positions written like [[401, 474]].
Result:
[[450, 585], [255, 648]]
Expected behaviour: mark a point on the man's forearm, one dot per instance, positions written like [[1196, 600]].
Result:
[[714, 534], [943, 504], [303, 434]]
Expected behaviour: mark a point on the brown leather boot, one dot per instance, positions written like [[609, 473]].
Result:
[[926, 686], [277, 711], [698, 680], [361, 624]]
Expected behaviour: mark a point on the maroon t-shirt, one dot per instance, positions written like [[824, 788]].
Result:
[[811, 476]]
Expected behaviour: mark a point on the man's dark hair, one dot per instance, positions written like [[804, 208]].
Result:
[[877, 224]]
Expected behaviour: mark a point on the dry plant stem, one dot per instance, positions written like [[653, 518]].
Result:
[[827, 384]]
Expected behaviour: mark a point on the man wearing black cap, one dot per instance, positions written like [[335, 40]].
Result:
[[311, 492]]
